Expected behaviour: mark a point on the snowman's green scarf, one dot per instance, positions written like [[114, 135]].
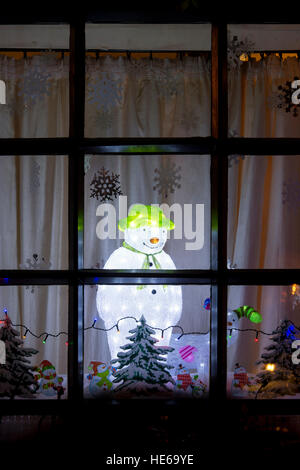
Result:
[[146, 262]]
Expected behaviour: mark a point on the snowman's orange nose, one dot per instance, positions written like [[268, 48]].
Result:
[[154, 240]]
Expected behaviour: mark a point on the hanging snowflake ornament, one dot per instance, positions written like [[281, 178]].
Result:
[[105, 185], [87, 164], [169, 84], [282, 99], [105, 91], [235, 159], [35, 263], [236, 49], [167, 179], [34, 86], [291, 193]]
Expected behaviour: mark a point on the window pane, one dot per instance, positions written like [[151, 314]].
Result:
[[119, 189], [34, 212], [34, 81], [263, 212], [143, 94], [263, 82], [33, 333], [107, 307], [262, 333]]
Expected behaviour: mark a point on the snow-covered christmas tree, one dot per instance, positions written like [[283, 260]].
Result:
[[142, 370], [280, 376], [16, 377]]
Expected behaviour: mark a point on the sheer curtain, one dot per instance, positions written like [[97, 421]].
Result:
[[147, 97], [264, 226]]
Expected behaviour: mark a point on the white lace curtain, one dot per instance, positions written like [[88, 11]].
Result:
[[145, 98]]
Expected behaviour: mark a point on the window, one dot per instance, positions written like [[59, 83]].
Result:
[[129, 149]]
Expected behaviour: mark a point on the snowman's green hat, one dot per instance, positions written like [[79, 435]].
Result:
[[141, 215]]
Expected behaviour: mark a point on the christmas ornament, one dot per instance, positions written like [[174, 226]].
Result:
[[105, 185], [186, 353], [142, 368], [145, 231], [16, 375]]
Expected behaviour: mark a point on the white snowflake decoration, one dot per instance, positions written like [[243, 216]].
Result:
[[87, 164], [169, 83], [105, 185], [35, 85], [167, 179], [236, 49], [235, 159], [105, 92], [35, 264], [189, 121], [291, 193]]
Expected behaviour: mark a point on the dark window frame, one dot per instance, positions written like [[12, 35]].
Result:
[[219, 146]]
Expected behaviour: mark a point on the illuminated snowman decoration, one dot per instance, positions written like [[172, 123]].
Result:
[[145, 232]]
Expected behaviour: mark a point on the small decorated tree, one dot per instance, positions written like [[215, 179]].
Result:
[[16, 377], [142, 369], [280, 376]]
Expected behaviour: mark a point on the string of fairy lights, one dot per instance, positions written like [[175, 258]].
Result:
[[45, 335]]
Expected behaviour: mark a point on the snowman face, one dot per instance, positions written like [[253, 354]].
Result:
[[232, 323], [148, 240], [101, 368]]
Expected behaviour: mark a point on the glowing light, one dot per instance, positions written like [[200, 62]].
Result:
[[294, 289], [202, 364], [270, 367], [24, 335], [45, 339]]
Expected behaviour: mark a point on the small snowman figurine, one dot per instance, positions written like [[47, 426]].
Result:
[[145, 232], [49, 383], [99, 379]]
